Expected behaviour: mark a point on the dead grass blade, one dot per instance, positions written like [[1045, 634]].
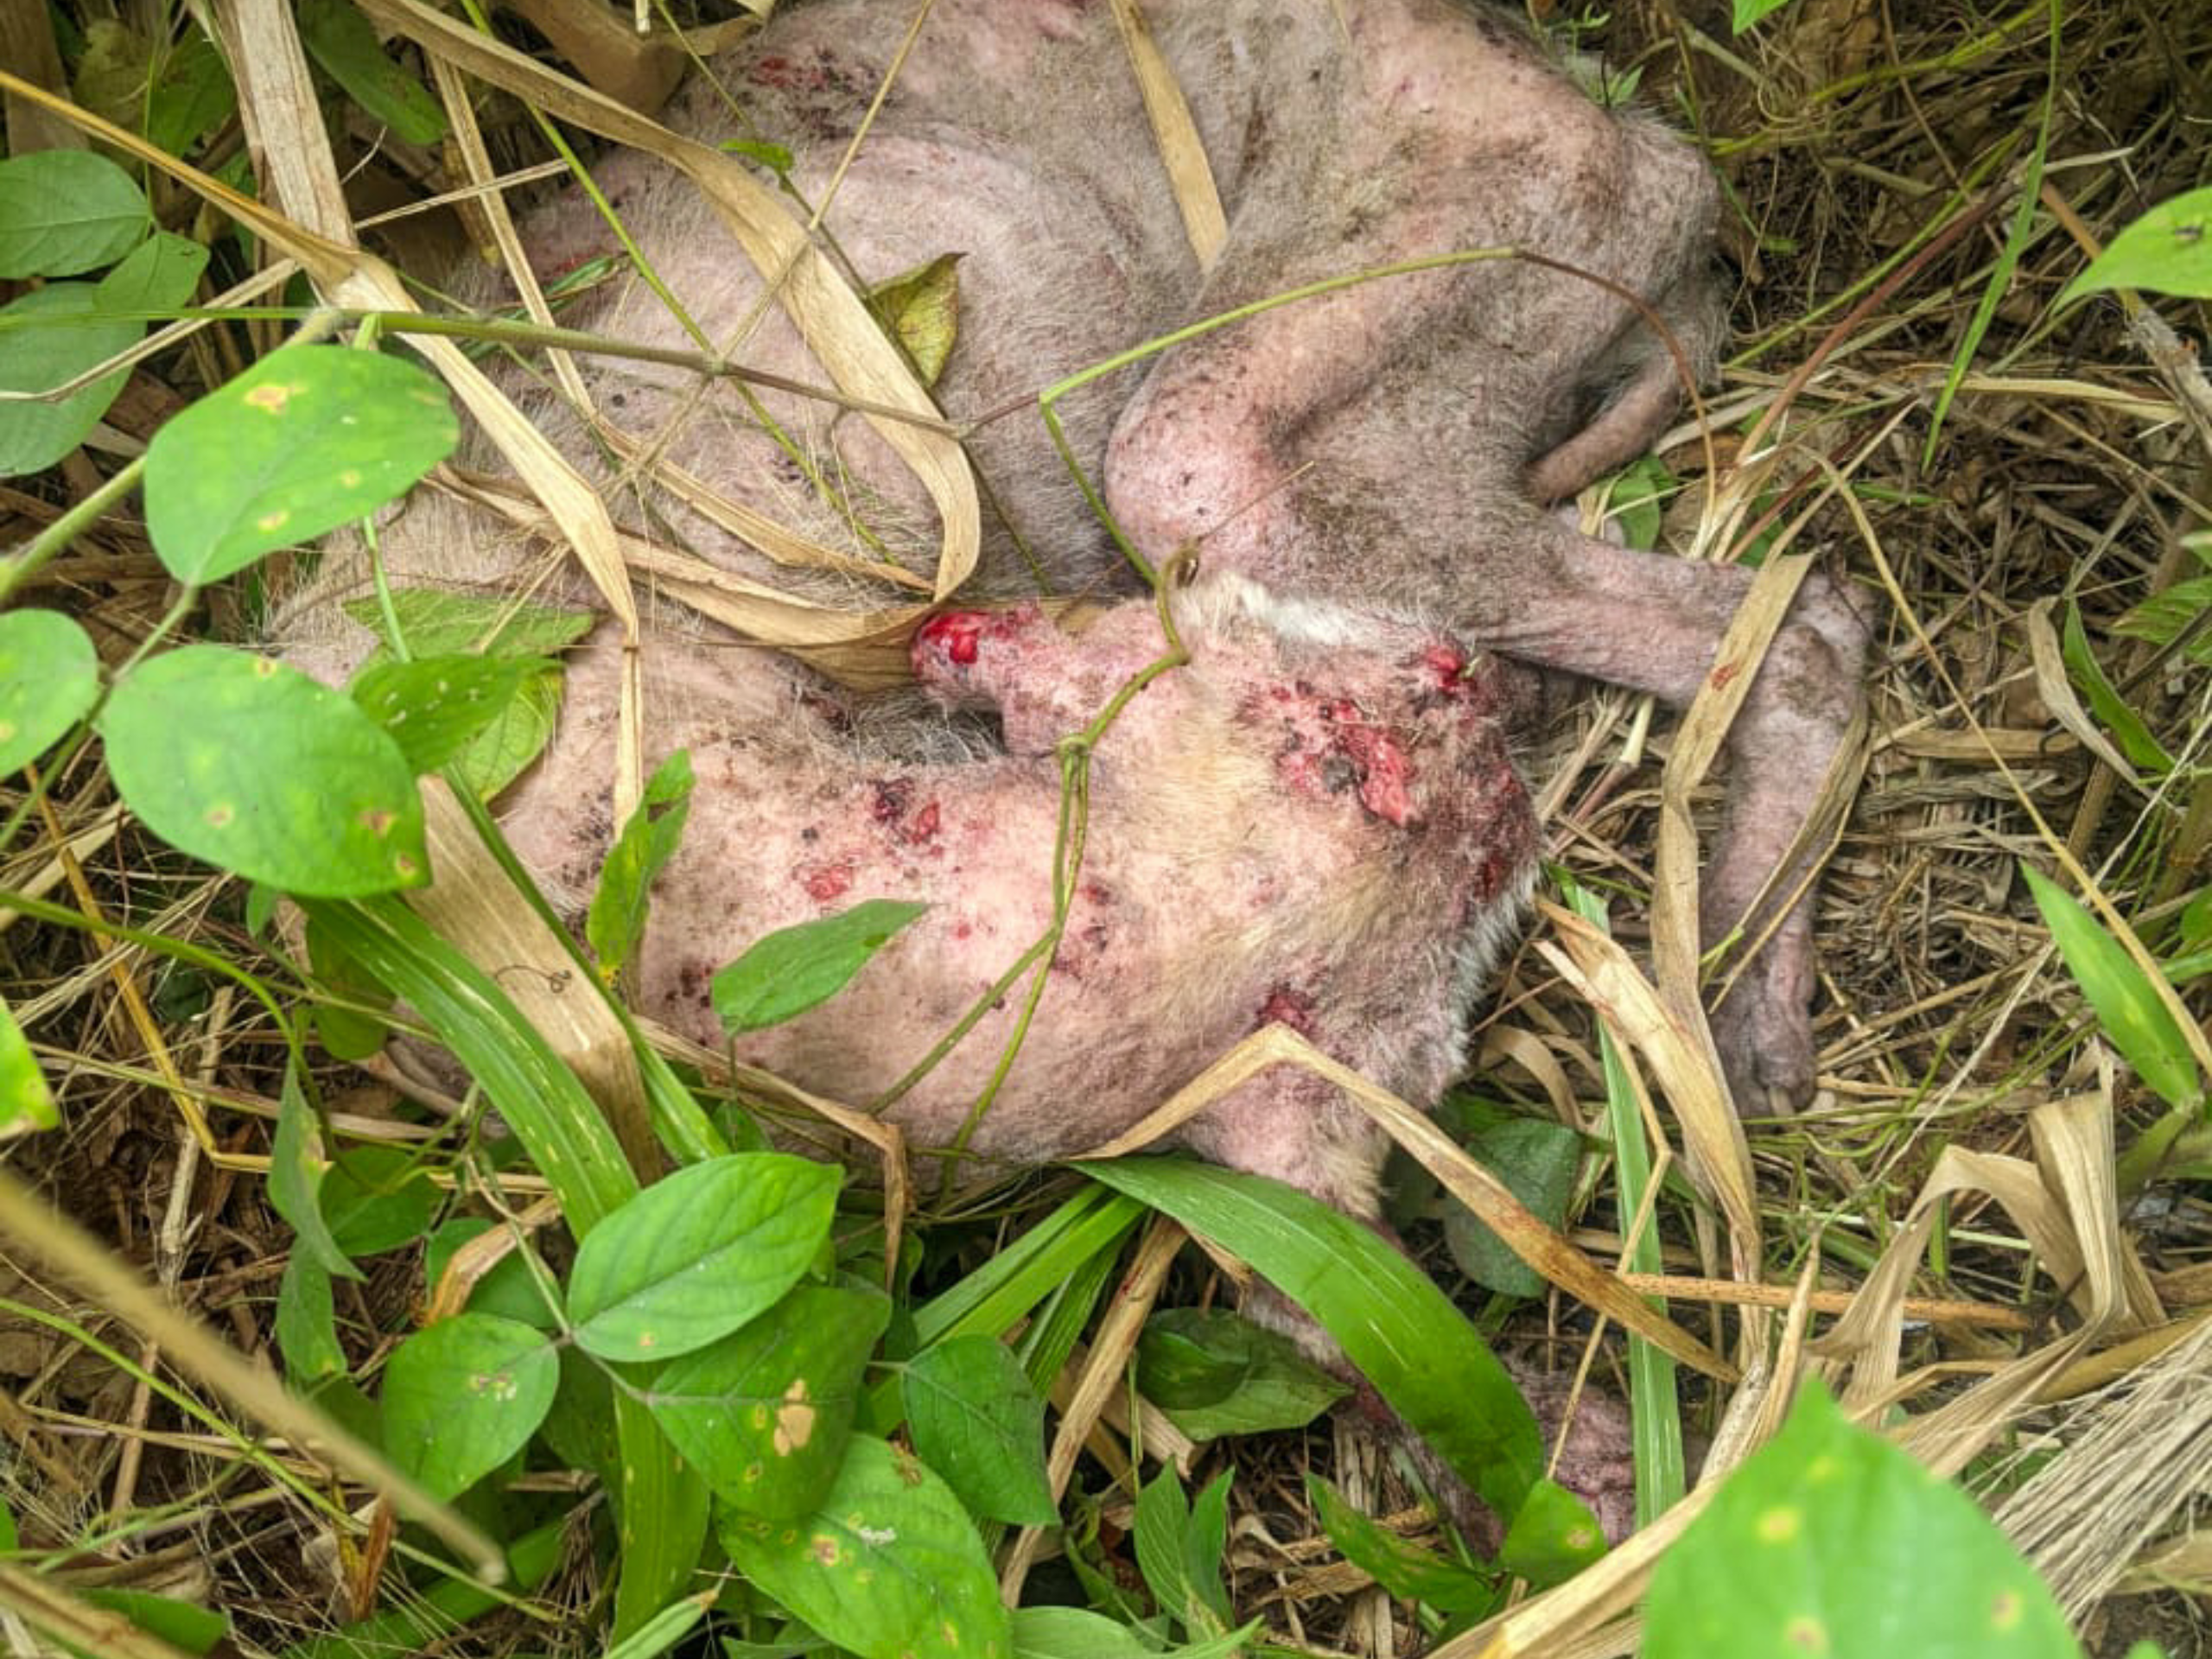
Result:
[[1189, 174], [834, 321]]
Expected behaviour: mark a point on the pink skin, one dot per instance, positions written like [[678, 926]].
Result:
[[1275, 833], [1385, 449]]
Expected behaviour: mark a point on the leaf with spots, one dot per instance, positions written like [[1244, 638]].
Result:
[[303, 442], [432, 707], [463, 1397], [766, 1414], [1829, 1540], [49, 675], [699, 1255], [975, 1416], [250, 765], [889, 1567]]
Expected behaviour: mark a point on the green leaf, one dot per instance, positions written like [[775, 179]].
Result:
[[439, 622], [295, 1175], [424, 1623], [307, 1322], [2135, 739], [1217, 1374], [921, 309], [1552, 1536], [1537, 1160], [26, 1102], [889, 1567], [976, 1422], [796, 969], [190, 94], [348, 1033], [376, 1199], [66, 211], [1392, 1323], [1829, 1540], [695, 1256], [1404, 1569], [616, 921], [2166, 615], [1179, 1550], [765, 1414], [47, 338], [250, 765], [49, 675], [1074, 1633], [510, 1290], [434, 707], [158, 275], [344, 46], [1750, 11], [464, 1394], [2167, 250], [2128, 1007], [185, 1625], [306, 440]]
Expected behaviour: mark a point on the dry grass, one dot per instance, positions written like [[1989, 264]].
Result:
[[1873, 149]]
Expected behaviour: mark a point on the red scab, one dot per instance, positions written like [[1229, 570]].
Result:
[[923, 827], [1444, 662], [1386, 776], [955, 635], [824, 882], [889, 798], [961, 930], [1286, 1006], [786, 76]]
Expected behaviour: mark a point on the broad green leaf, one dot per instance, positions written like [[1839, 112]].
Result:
[[509, 1290], [348, 1033], [304, 441], [190, 94], [616, 921], [186, 1626], [1074, 1633], [1216, 1374], [376, 1199], [1393, 1324], [1179, 1550], [463, 1395], [2166, 615], [158, 275], [250, 765], [2128, 1007], [439, 622], [295, 1174], [49, 675], [2167, 250], [1404, 1569], [26, 1102], [1829, 1540], [695, 1256], [765, 1414], [2136, 741], [343, 43], [796, 969], [434, 707], [976, 1422], [889, 1567], [47, 338], [1552, 1537], [1537, 1161], [921, 308], [1748, 12], [66, 211], [306, 1323]]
